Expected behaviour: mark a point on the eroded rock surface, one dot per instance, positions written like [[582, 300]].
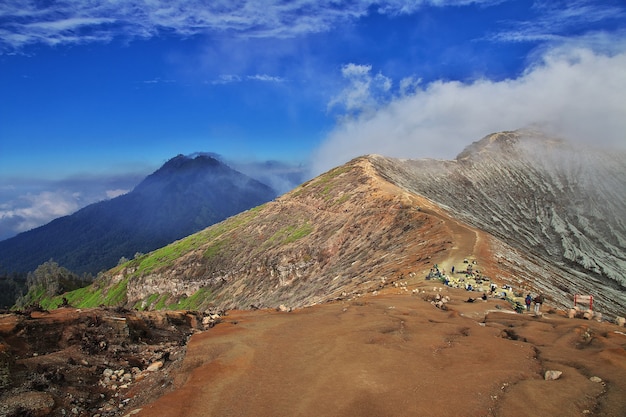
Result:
[[88, 362]]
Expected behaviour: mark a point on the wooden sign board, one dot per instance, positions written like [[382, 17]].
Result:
[[584, 300]]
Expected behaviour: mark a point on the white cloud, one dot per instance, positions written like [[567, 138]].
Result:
[[364, 91], [32, 210], [555, 19], [227, 79], [234, 78], [116, 193], [266, 78], [572, 92], [79, 21], [48, 200]]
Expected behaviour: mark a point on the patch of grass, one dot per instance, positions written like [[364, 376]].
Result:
[[147, 302], [166, 255], [116, 294], [322, 181], [214, 249], [160, 305], [90, 296], [193, 302], [289, 234], [342, 199], [335, 173]]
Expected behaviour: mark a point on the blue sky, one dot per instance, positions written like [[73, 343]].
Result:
[[96, 95]]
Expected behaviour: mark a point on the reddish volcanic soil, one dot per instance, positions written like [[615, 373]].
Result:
[[398, 355]]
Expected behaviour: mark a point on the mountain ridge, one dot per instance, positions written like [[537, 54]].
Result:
[[378, 220], [183, 196]]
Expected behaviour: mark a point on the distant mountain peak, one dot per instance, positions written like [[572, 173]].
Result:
[[508, 143], [186, 194], [184, 161]]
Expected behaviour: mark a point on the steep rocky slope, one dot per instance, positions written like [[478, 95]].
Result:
[[561, 205], [533, 213]]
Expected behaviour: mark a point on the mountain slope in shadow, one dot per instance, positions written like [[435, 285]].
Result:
[[183, 196]]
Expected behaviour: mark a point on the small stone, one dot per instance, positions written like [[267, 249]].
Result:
[[595, 379], [552, 375], [155, 366], [28, 403], [107, 373]]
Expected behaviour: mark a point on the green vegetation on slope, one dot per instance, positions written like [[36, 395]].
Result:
[[165, 256], [289, 234], [50, 280], [91, 296], [156, 301]]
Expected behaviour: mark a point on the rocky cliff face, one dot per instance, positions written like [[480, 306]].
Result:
[[558, 203]]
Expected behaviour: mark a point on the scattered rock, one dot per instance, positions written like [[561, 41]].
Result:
[[36, 404], [155, 366], [552, 375], [595, 379], [620, 321]]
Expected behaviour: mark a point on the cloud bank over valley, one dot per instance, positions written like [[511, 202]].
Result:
[[36, 202], [570, 91]]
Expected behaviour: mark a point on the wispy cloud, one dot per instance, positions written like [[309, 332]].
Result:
[[556, 19], [158, 80], [32, 210], [571, 92], [364, 90], [76, 21], [32, 203], [234, 78], [266, 78], [226, 79]]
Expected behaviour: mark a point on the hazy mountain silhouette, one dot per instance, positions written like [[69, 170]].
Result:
[[185, 195]]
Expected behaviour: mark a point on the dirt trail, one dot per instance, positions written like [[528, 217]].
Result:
[[467, 242], [397, 355]]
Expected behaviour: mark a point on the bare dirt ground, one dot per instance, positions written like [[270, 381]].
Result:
[[397, 355]]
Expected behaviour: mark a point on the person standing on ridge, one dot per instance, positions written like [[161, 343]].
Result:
[[538, 301], [528, 300]]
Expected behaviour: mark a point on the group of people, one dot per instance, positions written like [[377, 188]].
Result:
[[437, 273], [538, 300]]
